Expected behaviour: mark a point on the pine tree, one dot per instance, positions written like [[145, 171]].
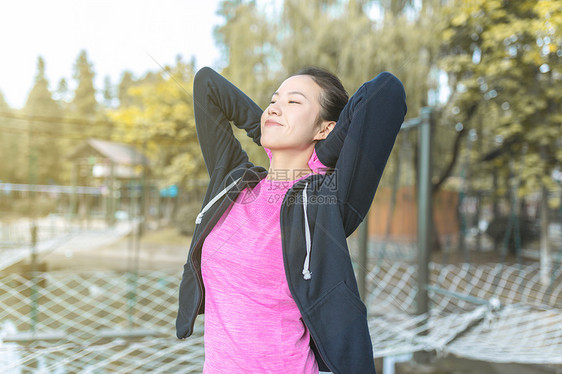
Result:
[[41, 149], [84, 102], [127, 81]]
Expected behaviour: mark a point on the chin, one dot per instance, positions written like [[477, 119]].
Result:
[[268, 142]]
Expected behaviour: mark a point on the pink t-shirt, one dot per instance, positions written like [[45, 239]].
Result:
[[252, 324]]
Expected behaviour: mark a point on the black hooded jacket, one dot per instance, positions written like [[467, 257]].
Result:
[[357, 150]]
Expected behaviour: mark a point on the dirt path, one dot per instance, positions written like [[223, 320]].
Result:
[[163, 250]]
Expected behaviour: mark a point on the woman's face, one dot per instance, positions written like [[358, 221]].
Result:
[[290, 122]]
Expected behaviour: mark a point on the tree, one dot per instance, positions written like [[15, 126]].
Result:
[[84, 102], [248, 43], [107, 91], [127, 81], [84, 105], [62, 94], [41, 151], [504, 62], [343, 38], [10, 140], [159, 120]]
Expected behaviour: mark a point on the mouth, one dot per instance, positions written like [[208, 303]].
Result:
[[271, 123]]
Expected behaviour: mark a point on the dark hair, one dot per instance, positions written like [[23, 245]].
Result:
[[333, 97]]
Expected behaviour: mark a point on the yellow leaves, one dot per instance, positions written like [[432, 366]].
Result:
[[546, 9], [554, 202], [447, 35], [160, 117], [459, 20]]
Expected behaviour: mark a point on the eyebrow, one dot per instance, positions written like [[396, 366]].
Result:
[[291, 93]]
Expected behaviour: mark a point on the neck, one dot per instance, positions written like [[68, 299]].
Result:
[[289, 165]]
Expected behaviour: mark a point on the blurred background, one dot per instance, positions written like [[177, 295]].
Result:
[[101, 175]]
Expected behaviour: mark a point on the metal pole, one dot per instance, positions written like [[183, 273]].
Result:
[[425, 228], [74, 196], [34, 276], [110, 198], [424, 210]]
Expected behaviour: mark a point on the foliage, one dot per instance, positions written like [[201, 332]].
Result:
[[84, 105], [159, 120], [504, 64], [40, 152], [339, 36], [127, 81], [9, 143], [84, 102], [527, 232]]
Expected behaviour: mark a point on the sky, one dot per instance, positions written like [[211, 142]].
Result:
[[118, 35]]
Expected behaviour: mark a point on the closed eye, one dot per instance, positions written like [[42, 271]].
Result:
[[294, 102]]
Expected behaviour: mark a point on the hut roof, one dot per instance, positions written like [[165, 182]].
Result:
[[118, 153]]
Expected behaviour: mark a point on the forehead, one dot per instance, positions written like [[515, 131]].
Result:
[[300, 83]]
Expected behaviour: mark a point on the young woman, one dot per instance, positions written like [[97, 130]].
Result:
[[269, 264]]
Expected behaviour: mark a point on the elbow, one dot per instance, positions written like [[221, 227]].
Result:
[[205, 72], [394, 89], [203, 76]]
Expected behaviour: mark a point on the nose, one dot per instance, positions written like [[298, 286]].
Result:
[[274, 108]]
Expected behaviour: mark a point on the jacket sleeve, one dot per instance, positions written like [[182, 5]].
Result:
[[217, 102], [359, 145]]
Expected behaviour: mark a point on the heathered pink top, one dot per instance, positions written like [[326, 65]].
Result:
[[252, 324]]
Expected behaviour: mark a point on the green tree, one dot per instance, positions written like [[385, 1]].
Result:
[[84, 105], [62, 94], [127, 81], [41, 152], [344, 38], [84, 101], [159, 120], [107, 91], [340, 36], [504, 64], [248, 42]]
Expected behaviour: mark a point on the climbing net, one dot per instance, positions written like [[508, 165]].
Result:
[[495, 313], [94, 322], [61, 322]]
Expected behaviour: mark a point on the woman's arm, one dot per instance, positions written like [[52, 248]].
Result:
[[217, 102], [360, 144]]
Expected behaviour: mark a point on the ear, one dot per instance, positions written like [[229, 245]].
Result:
[[325, 128]]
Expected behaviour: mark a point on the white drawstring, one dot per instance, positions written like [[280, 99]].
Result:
[[213, 201], [306, 267]]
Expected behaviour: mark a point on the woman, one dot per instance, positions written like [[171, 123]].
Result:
[[272, 271]]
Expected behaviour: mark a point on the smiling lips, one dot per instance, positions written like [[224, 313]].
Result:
[[272, 123]]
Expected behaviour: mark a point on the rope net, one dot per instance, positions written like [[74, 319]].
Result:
[[496, 313], [61, 322]]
